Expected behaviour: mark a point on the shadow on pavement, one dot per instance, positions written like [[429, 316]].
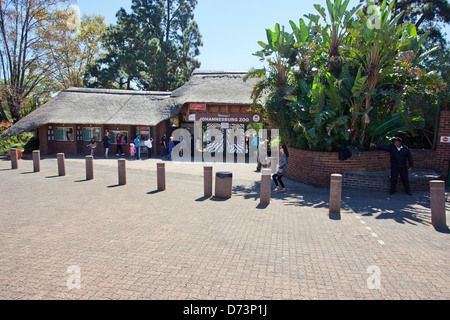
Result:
[[442, 229], [297, 195], [399, 207]]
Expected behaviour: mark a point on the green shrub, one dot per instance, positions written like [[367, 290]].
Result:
[[32, 144], [19, 142]]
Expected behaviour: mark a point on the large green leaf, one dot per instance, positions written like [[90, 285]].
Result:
[[359, 85], [388, 124]]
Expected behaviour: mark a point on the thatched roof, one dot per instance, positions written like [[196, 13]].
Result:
[[145, 108], [99, 106], [224, 87]]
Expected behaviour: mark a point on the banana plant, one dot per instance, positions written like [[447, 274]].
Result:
[[279, 52], [375, 49], [336, 30]]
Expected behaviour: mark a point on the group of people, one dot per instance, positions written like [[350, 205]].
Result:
[[167, 147], [135, 146]]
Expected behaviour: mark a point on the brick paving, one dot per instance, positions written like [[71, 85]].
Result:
[[132, 242]]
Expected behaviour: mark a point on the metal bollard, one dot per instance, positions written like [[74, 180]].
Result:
[[36, 161], [122, 165], [89, 168], [266, 180], [208, 181], [161, 176], [335, 193], [14, 158], [437, 199], [61, 164]]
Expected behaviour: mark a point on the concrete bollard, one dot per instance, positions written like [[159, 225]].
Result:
[[14, 158], [89, 168], [437, 199], [61, 164], [122, 165], [335, 193], [36, 161], [208, 181], [266, 180], [161, 176]]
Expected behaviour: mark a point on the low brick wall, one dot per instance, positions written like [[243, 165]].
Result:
[[419, 180], [315, 168]]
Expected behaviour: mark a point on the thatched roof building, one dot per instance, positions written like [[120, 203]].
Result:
[[123, 107]]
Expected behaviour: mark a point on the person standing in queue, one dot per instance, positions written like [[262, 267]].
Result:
[[119, 142], [400, 159], [137, 146], [163, 146], [169, 151], [149, 145], [106, 144]]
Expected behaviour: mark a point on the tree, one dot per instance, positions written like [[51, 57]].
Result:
[[21, 57], [123, 44], [70, 46], [154, 46]]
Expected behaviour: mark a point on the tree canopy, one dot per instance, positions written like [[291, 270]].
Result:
[[153, 48]]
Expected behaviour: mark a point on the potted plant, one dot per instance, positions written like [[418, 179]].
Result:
[[19, 153]]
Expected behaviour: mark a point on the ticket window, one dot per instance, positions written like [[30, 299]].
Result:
[[146, 133]]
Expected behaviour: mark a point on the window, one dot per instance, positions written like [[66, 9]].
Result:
[[113, 135], [89, 133], [64, 134]]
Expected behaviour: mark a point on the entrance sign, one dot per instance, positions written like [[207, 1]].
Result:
[[225, 118]]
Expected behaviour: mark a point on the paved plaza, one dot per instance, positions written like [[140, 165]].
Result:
[[133, 242]]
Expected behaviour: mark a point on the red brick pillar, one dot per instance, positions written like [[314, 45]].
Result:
[[443, 148]]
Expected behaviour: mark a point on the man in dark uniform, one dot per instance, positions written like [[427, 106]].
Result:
[[400, 159]]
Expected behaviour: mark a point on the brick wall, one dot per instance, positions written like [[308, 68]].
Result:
[[419, 180], [315, 168], [442, 153]]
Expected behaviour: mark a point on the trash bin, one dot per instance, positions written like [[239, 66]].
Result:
[[224, 185]]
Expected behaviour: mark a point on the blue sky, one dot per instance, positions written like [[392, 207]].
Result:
[[231, 29]]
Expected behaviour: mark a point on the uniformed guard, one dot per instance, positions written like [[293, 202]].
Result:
[[400, 159]]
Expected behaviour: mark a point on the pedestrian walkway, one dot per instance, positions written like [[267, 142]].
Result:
[[133, 242]]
